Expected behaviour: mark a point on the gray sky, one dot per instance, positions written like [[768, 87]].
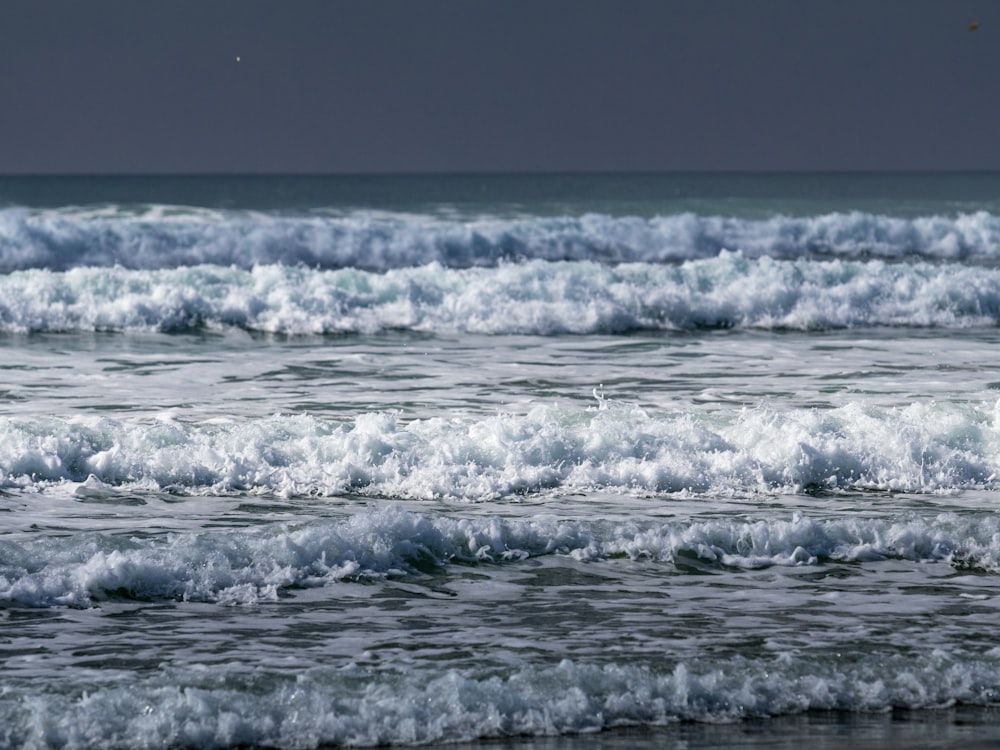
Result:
[[497, 85]]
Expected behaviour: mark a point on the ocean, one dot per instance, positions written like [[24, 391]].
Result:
[[541, 461]]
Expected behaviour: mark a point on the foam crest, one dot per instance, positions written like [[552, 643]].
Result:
[[926, 447], [528, 298], [354, 706], [250, 566], [155, 237]]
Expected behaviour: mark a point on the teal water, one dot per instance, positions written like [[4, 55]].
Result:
[[746, 195]]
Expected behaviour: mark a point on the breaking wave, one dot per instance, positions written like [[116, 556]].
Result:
[[536, 297], [351, 706], [926, 447], [160, 237], [250, 566]]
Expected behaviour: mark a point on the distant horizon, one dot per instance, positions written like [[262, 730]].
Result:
[[620, 193], [500, 173]]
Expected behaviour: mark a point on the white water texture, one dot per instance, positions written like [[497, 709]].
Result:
[[926, 447], [536, 297], [149, 237], [351, 706], [251, 566]]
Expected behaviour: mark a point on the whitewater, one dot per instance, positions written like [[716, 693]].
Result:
[[634, 461]]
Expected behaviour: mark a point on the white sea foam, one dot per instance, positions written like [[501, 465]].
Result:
[[534, 298], [926, 447], [249, 566], [358, 707], [169, 237]]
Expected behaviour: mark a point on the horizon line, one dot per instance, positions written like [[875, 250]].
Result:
[[501, 173]]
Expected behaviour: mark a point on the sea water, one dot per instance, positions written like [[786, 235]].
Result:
[[295, 462]]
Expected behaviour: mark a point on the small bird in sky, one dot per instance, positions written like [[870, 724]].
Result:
[[972, 27]]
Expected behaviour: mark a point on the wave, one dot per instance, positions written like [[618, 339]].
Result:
[[358, 706], [729, 291], [923, 448], [250, 566], [160, 237]]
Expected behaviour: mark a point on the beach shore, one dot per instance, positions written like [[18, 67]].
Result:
[[966, 727]]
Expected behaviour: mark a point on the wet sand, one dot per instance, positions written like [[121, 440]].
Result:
[[965, 727]]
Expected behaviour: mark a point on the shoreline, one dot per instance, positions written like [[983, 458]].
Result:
[[966, 727]]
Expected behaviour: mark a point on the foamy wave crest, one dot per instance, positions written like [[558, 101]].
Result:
[[249, 566], [534, 298], [169, 237], [361, 706], [922, 448]]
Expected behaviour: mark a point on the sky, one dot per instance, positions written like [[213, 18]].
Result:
[[375, 86]]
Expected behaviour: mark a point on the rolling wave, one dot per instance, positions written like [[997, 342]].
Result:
[[536, 297], [358, 705], [160, 237], [924, 448], [250, 566]]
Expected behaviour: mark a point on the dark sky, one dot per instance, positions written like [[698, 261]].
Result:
[[114, 86]]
